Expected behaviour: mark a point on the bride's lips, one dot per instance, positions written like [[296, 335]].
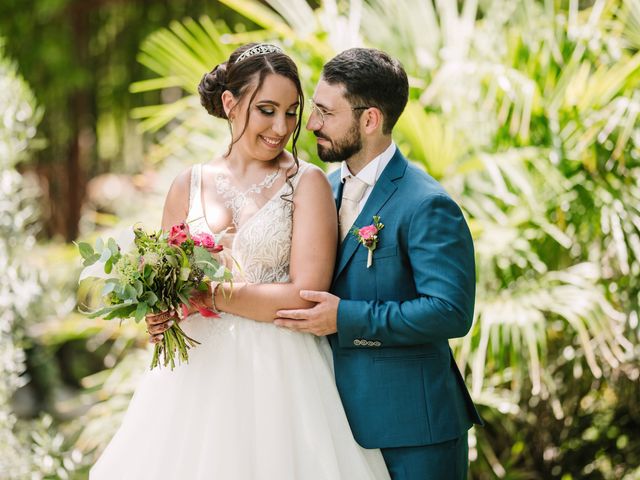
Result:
[[271, 142]]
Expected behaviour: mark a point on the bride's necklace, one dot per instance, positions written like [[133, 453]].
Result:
[[235, 200]]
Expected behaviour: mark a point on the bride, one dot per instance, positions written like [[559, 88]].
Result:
[[255, 401]]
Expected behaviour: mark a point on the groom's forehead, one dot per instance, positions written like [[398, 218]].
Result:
[[329, 94]]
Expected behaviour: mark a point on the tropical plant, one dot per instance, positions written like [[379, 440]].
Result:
[[527, 112]]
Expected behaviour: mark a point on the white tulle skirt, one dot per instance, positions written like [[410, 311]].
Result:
[[255, 402]]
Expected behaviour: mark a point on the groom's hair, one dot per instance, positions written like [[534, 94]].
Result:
[[371, 78]]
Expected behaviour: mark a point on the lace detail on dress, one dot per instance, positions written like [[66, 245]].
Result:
[[236, 200], [262, 244]]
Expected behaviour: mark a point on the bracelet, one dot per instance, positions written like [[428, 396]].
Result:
[[213, 297]]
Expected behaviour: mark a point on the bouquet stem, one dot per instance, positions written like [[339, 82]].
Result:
[[174, 341]]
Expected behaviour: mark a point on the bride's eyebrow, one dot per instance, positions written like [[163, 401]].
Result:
[[275, 104]]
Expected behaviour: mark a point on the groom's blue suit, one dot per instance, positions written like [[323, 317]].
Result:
[[397, 378]]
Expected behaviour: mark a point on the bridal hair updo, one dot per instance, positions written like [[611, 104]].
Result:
[[247, 67]]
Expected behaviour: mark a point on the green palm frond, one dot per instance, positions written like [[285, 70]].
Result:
[[513, 326]]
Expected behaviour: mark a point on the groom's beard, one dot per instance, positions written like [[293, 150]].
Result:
[[343, 149]]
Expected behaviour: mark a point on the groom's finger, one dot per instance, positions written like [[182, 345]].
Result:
[[295, 314], [299, 325], [313, 295]]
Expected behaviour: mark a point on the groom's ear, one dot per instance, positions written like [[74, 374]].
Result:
[[372, 120]]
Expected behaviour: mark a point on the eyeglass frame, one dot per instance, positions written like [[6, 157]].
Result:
[[321, 114]]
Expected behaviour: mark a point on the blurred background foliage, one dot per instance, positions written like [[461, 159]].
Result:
[[526, 110]]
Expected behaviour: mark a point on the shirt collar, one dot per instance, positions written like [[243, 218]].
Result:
[[372, 171]]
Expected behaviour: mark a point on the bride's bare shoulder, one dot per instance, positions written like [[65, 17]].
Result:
[[215, 166], [181, 185]]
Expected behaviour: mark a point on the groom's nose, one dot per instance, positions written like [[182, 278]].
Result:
[[313, 123]]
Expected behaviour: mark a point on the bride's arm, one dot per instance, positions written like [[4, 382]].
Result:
[[313, 253], [176, 205]]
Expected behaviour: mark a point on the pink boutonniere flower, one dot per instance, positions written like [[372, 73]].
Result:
[[368, 237]]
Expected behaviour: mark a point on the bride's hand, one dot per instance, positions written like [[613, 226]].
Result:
[[157, 323], [201, 299]]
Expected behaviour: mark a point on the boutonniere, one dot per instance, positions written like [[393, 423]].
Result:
[[368, 236]]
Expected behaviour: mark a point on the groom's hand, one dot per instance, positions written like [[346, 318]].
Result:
[[321, 319]]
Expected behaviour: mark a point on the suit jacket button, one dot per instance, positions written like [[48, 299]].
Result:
[[369, 343], [356, 342], [377, 343]]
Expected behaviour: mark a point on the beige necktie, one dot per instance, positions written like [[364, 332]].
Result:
[[352, 193]]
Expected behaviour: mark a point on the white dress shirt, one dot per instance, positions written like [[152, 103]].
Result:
[[370, 173]]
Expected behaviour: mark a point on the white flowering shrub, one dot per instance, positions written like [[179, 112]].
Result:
[[28, 450]]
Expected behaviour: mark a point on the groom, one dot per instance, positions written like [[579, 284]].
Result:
[[390, 313]]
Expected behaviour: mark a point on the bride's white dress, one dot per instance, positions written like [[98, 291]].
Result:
[[255, 401]]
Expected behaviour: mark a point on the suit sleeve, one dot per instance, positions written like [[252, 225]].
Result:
[[440, 251]]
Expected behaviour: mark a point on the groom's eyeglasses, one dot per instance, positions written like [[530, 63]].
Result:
[[324, 114]]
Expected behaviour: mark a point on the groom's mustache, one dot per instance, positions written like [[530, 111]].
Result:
[[319, 135]]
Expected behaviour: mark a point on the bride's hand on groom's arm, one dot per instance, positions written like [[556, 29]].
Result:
[[320, 320]]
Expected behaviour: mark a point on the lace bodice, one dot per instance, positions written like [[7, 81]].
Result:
[[262, 244]]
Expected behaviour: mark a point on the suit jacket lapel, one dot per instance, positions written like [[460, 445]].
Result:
[[336, 186], [382, 191]]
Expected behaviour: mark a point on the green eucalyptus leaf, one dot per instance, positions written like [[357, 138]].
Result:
[[113, 246], [141, 311], [149, 298], [130, 292], [85, 250], [91, 260], [184, 273], [106, 255], [138, 286], [109, 286]]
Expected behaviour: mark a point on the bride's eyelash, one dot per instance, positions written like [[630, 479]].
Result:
[[268, 112]]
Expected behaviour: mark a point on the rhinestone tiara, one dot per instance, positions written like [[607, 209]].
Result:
[[260, 49]]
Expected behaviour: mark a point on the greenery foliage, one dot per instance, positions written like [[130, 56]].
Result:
[[28, 449], [527, 111]]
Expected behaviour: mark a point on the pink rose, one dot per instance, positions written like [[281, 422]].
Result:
[[368, 232], [207, 241], [179, 234]]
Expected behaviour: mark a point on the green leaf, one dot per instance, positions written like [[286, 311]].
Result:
[[125, 311], [184, 273], [220, 273], [113, 246], [149, 298], [130, 292], [138, 286], [108, 266], [85, 250], [91, 260], [141, 311], [106, 255], [109, 286]]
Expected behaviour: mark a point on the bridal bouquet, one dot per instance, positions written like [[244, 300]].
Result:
[[158, 273]]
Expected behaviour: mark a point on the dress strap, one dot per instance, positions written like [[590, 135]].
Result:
[[195, 193], [304, 166]]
